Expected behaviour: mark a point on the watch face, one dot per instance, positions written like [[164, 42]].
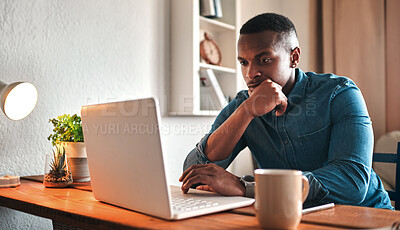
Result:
[[248, 178]]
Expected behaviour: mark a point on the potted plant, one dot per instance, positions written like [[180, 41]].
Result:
[[68, 133], [57, 169]]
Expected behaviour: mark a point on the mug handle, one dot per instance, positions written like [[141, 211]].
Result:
[[306, 187]]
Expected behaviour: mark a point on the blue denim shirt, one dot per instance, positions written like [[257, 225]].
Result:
[[325, 132]]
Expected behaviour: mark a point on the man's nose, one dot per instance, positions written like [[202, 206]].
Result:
[[252, 71]]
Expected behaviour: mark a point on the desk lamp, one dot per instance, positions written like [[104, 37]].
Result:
[[17, 101]]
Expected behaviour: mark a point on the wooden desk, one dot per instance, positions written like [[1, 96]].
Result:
[[78, 208]]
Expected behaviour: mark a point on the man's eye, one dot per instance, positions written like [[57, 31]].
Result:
[[243, 62], [265, 60]]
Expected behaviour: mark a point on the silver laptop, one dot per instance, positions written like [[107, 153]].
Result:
[[127, 168]]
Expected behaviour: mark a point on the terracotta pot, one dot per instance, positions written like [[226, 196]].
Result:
[[76, 153]]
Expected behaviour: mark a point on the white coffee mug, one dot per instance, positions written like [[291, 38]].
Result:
[[279, 197]]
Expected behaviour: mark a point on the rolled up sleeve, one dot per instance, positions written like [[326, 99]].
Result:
[[197, 155]]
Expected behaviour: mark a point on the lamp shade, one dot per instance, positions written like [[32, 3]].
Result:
[[18, 99]]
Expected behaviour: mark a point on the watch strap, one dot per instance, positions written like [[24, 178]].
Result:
[[249, 184], [250, 190]]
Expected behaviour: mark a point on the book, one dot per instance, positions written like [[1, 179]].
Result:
[[218, 8], [211, 8], [207, 8], [211, 95]]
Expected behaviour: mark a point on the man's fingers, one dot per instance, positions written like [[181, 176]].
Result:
[[281, 102], [211, 177], [190, 169], [203, 174], [185, 172], [205, 188], [281, 108], [276, 85], [271, 83], [195, 180], [250, 91], [197, 171]]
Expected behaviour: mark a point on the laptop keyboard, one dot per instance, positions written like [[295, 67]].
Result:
[[182, 204]]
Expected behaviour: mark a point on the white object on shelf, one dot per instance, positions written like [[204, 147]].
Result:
[[209, 99], [215, 26], [220, 99], [207, 8], [217, 68], [218, 9], [76, 153]]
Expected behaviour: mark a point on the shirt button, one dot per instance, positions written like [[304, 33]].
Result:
[[286, 142]]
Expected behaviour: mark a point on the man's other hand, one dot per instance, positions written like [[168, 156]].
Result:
[[214, 178]]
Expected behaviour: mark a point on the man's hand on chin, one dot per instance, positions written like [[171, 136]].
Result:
[[264, 97], [214, 178]]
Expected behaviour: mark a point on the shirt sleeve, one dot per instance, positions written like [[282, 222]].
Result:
[[345, 178], [197, 155]]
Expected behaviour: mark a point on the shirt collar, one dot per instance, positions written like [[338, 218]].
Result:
[[297, 94]]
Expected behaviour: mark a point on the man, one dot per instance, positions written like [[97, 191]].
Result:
[[317, 123]]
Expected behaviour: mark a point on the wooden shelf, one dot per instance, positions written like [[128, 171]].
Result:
[[217, 68], [215, 26]]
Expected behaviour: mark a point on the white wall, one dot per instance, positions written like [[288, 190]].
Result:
[[300, 12], [79, 52]]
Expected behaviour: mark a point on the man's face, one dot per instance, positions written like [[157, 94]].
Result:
[[262, 57]]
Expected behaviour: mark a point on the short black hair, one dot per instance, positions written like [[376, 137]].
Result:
[[272, 22]]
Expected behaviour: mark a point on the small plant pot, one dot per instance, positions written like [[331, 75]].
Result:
[[76, 154], [57, 179], [56, 182]]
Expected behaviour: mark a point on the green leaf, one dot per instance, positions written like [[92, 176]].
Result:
[[66, 128]]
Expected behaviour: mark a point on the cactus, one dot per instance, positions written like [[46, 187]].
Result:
[[59, 170]]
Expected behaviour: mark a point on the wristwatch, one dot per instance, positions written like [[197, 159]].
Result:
[[249, 184]]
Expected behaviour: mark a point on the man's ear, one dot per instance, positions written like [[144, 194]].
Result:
[[295, 57]]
